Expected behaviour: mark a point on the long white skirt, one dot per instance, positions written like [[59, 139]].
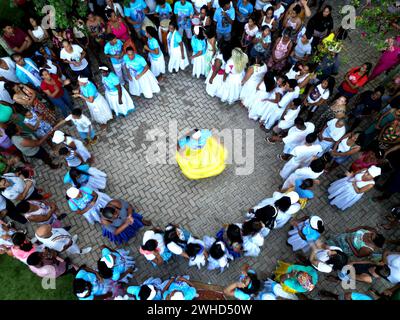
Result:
[[97, 180], [157, 66], [82, 150], [93, 215], [100, 110], [291, 166], [175, 59], [296, 241], [230, 89], [248, 91], [271, 115], [199, 66], [213, 88], [256, 106], [325, 145], [127, 105], [252, 245], [119, 72], [281, 219], [146, 85], [342, 194]]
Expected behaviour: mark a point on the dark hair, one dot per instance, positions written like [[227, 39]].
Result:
[[108, 13], [63, 151], [338, 261], [251, 227], [226, 50], [318, 165], [265, 27], [192, 249], [80, 285], [292, 83], [283, 204], [174, 24], [129, 49], [150, 245], [144, 291], [107, 212], [320, 227], [331, 83], [255, 284], [34, 259], [234, 234], [223, 3], [77, 112], [11, 130], [297, 102], [383, 271], [266, 215], [299, 122], [270, 9], [19, 239], [74, 173], [110, 36], [311, 137], [41, 71], [16, 55], [307, 184], [104, 271], [380, 89], [216, 251], [201, 35], [297, 9], [369, 67], [269, 82], [287, 32], [379, 240], [22, 207], [152, 31], [171, 235], [210, 32]]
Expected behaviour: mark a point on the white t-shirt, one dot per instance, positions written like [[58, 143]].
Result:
[[305, 153], [250, 32], [394, 266], [75, 55], [10, 73], [151, 235], [18, 185], [82, 124], [317, 94], [322, 256], [261, 3], [57, 241], [4, 95], [175, 248]]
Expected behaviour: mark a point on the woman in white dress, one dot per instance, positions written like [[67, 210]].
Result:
[[331, 133], [306, 231], [178, 58], [72, 143], [234, 73], [254, 75], [7, 69], [98, 106], [218, 254], [117, 97], [252, 238], [199, 47], [265, 213], [157, 61], [296, 135], [313, 171], [197, 252], [345, 192], [86, 176], [264, 90], [215, 77], [141, 79]]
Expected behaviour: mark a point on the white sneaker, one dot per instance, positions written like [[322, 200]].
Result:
[[75, 238], [86, 250]]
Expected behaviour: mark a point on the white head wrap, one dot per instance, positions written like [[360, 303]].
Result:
[[294, 196], [83, 79], [108, 260], [178, 296], [58, 137], [374, 171], [314, 222], [72, 192]]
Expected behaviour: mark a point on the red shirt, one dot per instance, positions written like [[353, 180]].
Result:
[[58, 84], [17, 39], [356, 80]]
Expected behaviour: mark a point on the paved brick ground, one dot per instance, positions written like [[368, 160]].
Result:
[[163, 194]]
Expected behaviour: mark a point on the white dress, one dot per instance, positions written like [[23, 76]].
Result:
[[288, 120], [252, 245], [342, 193], [213, 88], [301, 173], [256, 105], [331, 131], [127, 105], [223, 262], [297, 242], [100, 110], [146, 85], [157, 65], [93, 214], [230, 89], [200, 260], [97, 179], [249, 89], [175, 56], [80, 148], [267, 108], [296, 137]]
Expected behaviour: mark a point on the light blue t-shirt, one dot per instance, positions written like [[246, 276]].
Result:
[[240, 295], [89, 90], [164, 13], [198, 45], [245, 10], [258, 46], [176, 40], [136, 65], [195, 144], [134, 291], [360, 296], [223, 26], [153, 44], [21, 75], [135, 11], [183, 13], [310, 233], [113, 50], [119, 265], [110, 82], [303, 193]]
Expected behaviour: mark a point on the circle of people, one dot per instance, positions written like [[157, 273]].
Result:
[[258, 54]]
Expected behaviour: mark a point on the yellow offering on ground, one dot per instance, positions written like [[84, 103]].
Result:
[[202, 163]]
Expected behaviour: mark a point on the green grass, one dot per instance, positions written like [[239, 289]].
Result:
[[17, 282]]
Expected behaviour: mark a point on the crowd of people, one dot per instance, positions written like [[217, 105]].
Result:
[[259, 54]]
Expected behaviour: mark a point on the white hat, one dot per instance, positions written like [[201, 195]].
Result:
[[108, 260], [196, 30], [196, 135], [58, 137], [294, 196], [268, 296], [178, 296], [73, 192], [374, 171], [82, 294], [314, 222], [83, 79], [104, 68]]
